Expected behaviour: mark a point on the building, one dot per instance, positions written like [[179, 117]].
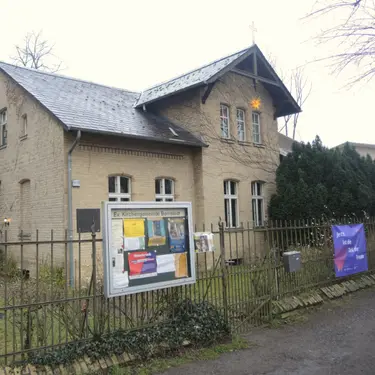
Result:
[[285, 144], [363, 149], [209, 137]]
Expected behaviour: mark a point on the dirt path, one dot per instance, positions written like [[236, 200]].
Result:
[[337, 339]]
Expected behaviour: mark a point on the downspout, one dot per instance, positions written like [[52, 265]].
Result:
[[70, 208]]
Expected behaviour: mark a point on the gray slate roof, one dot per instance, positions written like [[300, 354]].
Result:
[[284, 102], [194, 78], [86, 106]]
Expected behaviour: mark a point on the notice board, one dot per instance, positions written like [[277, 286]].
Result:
[[147, 246]]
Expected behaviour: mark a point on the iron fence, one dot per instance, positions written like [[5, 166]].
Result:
[[40, 307]]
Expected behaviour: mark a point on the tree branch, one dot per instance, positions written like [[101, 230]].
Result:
[[37, 53], [354, 36]]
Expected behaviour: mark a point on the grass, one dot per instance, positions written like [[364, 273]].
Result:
[[247, 288], [185, 357]]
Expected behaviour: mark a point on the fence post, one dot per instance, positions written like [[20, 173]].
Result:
[[94, 284], [224, 278], [270, 273], [6, 303]]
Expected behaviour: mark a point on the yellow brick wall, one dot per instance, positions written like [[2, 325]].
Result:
[[223, 159], [38, 157], [244, 162], [98, 157]]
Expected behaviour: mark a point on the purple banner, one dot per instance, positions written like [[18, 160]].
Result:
[[349, 242]]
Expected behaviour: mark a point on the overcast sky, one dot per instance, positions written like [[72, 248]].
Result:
[[134, 45]]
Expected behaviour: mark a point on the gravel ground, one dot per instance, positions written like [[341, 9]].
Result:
[[339, 339]]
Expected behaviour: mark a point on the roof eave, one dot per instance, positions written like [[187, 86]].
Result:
[[283, 87], [139, 104], [288, 113], [198, 144], [219, 74]]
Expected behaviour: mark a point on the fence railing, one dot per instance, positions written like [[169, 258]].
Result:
[[40, 309]]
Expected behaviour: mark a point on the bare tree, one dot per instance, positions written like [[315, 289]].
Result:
[[37, 53], [300, 88], [353, 35]]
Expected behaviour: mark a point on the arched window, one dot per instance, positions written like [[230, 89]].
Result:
[[25, 208], [164, 190], [231, 203], [119, 188], [258, 203]]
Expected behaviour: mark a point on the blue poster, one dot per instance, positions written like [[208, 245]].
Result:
[[156, 232], [176, 233], [349, 243]]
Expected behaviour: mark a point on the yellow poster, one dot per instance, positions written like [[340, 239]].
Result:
[[134, 227], [181, 265]]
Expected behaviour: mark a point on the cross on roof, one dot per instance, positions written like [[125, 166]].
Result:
[[254, 30]]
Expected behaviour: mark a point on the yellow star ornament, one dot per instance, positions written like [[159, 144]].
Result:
[[256, 103]]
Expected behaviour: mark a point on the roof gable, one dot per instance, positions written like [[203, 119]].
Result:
[[187, 81], [90, 107], [239, 62]]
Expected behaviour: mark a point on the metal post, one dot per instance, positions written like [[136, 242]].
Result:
[[224, 278], [93, 235], [70, 209]]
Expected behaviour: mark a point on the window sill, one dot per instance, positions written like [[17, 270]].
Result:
[[227, 140], [245, 143], [2, 147], [259, 145], [23, 137]]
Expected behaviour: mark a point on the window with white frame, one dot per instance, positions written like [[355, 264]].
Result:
[[24, 126], [224, 120], [231, 203], [256, 127], [241, 124], [119, 188], [164, 190], [257, 203], [3, 127]]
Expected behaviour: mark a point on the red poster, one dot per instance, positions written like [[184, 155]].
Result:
[[142, 264]]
